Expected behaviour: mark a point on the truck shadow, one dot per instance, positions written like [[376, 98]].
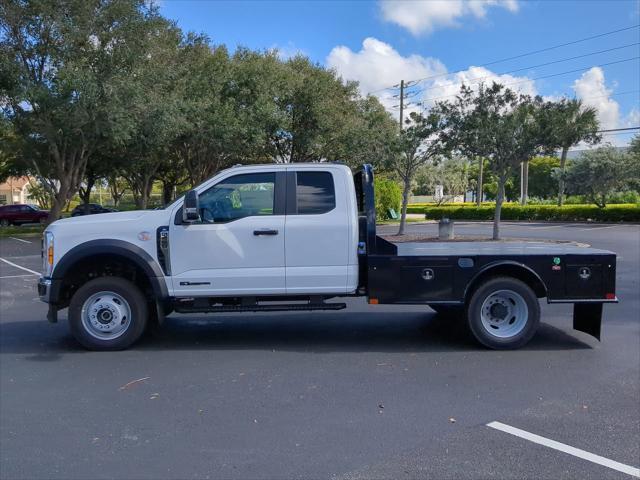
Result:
[[331, 332], [310, 332]]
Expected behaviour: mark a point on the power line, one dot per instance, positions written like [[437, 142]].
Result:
[[618, 129], [513, 57], [546, 76], [535, 66]]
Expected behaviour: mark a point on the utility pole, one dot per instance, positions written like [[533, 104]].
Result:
[[524, 182], [401, 102]]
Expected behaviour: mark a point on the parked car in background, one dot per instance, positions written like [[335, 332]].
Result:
[[19, 213], [93, 209]]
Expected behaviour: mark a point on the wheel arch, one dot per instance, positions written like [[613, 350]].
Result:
[[101, 252], [507, 268]]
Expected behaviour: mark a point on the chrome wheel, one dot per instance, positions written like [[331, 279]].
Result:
[[504, 313], [106, 315]]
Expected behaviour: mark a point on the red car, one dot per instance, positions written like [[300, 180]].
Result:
[[19, 214]]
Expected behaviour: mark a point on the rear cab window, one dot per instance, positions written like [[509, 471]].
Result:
[[315, 192]]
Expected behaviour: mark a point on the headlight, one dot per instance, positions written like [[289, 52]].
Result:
[[47, 254]]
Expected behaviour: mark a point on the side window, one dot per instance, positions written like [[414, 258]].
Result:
[[237, 197], [315, 192]]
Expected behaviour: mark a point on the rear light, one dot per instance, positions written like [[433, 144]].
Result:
[[610, 296]]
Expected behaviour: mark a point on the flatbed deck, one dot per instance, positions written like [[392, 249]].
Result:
[[493, 248]]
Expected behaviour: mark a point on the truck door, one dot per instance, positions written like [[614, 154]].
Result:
[[237, 248], [317, 233]]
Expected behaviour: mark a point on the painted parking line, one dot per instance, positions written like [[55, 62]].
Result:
[[19, 266], [549, 227], [598, 228], [18, 276], [562, 447], [20, 240]]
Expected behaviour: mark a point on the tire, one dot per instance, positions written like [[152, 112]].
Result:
[[4, 222], [449, 311], [42, 220], [503, 313], [108, 313]]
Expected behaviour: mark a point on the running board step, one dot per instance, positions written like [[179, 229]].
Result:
[[258, 308]]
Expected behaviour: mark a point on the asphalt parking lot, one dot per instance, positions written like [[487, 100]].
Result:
[[367, 392]]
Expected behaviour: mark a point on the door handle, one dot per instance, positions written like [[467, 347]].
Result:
[[265, 232]]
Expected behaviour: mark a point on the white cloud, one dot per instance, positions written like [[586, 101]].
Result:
[[445, 88], [591, 88], [378, 65], [424, 16]]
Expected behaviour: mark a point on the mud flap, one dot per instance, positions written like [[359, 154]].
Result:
[[52, 314], [587, 318]]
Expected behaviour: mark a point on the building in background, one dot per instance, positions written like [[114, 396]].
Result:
[[15, 190]]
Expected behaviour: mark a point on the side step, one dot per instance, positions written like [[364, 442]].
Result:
[[195, 306]]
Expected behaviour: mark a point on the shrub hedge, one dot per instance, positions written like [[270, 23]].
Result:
[[511, 211]]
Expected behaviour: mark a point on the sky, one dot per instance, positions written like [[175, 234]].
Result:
[[434, 45]]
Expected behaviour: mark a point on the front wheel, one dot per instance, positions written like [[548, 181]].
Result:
[[108, 313], [503, 313]]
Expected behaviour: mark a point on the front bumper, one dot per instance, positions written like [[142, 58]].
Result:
[[44, 289], [44, 292]]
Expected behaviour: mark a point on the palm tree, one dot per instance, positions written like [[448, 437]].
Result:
[[569, 122]]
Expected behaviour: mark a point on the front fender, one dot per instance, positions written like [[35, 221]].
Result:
[[131, 252]]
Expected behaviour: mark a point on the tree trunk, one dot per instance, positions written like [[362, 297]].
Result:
[[563, 162], [167, 192], [56, 209], [524, 183], [499, 199], [85, 194], [479, 186], [59, 200], [405, 201], [116, 195]]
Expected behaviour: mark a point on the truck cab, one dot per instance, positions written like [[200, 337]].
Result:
[[298, 237]]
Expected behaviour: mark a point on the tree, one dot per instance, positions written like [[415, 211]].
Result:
[[451, 173], [63, 67], [466, 126], [541, 180], [39, 194], [598, 173], [417, 145], [155, 108], [564, 124], [388, 195], [215, 129], [506, 128], [634, 163], [117, 185]]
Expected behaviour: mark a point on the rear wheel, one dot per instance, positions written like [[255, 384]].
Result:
[[4, 223], [503, 313], [108, 313]]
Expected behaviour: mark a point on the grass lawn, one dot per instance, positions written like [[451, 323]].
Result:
[[22, 231]]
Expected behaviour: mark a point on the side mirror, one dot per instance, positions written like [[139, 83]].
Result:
[[190, 209]]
